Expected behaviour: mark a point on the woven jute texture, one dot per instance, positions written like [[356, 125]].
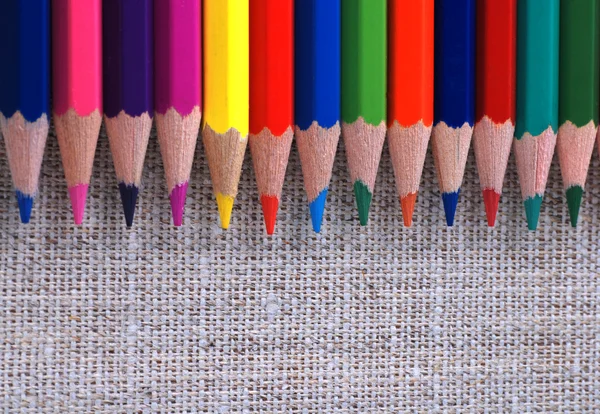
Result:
[[356, 319]]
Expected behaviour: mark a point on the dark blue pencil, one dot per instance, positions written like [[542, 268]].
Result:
[[128, 91], [317, 102], [454, 103], [24, 90]]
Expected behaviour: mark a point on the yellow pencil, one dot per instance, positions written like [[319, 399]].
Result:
[[226, 96]]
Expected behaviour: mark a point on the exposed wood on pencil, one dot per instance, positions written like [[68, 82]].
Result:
[[492, 142], [25, 142], [177, 136], [317, 147], [533, 157], [270, 158], [408, 147], [225, 155]]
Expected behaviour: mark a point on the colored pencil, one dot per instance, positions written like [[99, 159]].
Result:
[[578, 96], [410, 94], [77, 91], [178, 92], [537, 99], [454, 104], [24, 93], [364, 71], [317, 94], [225, 123], [128, 91], [495, 97], [271, 98]]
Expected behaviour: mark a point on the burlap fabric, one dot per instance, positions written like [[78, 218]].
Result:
[[380, 318]]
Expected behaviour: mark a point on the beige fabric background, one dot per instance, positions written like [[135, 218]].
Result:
[[381, 318]]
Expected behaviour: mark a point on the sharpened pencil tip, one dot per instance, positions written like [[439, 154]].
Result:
[[129, 194], [491, 199], [532, 211], [25, 203], [450, 202], [78, 195], [317, 207], [574, 196], [408, 207], [177, 197], [225, 206], [270, 204], [363, 201]]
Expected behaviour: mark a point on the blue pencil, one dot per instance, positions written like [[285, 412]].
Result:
[[454, 103], [24, 91], [317, 102]]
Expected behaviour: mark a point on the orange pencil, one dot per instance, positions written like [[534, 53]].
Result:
[[410, 94]]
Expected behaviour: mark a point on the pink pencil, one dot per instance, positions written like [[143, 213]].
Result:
[[178, 92], [77, 91]]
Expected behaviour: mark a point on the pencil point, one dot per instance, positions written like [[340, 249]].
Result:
[[225, 205], [532, 211], [78, 195], [317, 207], [574, 196], [450, 202], [270, 204], [25, 203], [129, 195], [491, 199], [177, 198], [408, 207], [363, 201]]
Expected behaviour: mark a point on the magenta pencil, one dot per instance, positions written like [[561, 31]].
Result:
[[178, 92]]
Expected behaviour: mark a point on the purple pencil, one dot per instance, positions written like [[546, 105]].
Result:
[[178, 88], [128, 91]]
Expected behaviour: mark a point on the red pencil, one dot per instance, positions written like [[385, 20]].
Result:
[[496, 75], [271, 98]]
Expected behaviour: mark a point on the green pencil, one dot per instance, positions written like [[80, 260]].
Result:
[[578, 95], [363, 75], [537, 99]]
